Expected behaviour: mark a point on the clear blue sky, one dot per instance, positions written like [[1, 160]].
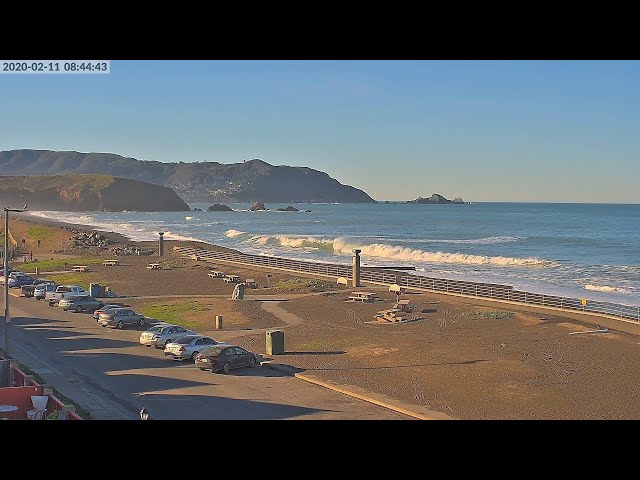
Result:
[[482, 130]]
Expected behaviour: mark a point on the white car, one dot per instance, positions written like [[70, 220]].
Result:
[[188, 346], [162, 333]]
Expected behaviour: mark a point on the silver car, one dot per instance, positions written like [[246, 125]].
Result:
[[188, 346], [162, 333], [119, 317]]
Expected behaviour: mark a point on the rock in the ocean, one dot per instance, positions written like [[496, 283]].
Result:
[[218, 207], [257, 206], [287, 209]]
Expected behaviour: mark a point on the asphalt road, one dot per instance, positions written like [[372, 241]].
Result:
[[110, 374]]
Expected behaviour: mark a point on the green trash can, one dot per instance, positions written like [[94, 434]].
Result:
[[275, 342], [96, 290]]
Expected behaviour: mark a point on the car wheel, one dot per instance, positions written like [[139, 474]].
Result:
[[193, 356], [252, 362], [203, 369], [141, 322], [226, 367], [167, 341], [79, 309], [119, 324]]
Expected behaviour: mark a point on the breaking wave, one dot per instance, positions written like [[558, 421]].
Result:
[[381, 250], [605, 288]]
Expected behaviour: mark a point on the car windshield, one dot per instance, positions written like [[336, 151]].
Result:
[[186, 339]]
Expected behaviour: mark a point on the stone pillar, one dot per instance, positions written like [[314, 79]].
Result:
[[218, 322], [27, 380], [356, 267], [161, 246]]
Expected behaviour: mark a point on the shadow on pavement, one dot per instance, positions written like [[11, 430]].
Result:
[[181, 407]]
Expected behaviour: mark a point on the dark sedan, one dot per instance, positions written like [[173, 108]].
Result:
[[225, 358]]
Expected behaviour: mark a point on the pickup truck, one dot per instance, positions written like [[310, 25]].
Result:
[[65, 291]]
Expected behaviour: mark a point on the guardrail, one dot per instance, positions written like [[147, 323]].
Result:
[[419, 282]]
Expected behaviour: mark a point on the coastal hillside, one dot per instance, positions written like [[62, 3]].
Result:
[[87, 193], [250, 181]]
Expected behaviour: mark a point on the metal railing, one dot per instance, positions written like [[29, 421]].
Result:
[[419, 282]]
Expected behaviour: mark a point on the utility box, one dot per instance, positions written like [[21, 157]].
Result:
[[96, 290], [275, 342]]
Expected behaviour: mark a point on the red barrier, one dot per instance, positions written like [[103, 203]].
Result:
[[19, 397], [11, 394]]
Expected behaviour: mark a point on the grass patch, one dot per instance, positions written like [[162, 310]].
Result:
[[175, 313], [81, 279], [494, 315], [58, 264], [39, 233], [292, 283]]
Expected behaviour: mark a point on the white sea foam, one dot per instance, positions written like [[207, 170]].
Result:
[[233, 233], [605, 288], [174, 236]]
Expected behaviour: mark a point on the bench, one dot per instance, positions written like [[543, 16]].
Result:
[[154, 266], [231, 278], [251, 283], [111, 263], [80, 268], [216, 274]]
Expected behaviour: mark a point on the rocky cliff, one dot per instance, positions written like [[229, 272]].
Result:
[[250, 181], [88, 193]]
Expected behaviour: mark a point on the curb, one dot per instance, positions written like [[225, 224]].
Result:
[[360, 396]]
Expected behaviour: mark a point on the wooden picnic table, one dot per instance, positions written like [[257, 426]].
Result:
[[111, 263], [216, 274], [231, 278], [362, 296], [80, 268], [154, 266]]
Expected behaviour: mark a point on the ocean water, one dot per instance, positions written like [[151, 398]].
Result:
[[578, 250]]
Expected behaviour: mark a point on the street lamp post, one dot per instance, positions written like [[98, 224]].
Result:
[[7, 319]]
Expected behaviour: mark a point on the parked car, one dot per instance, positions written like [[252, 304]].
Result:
[[29, 290], [80, 304], [65, 291], [161, 334], [225, 358], [105, 309], [9, 270], [188, 346], [40, 292], [119, 317], [19, 280]]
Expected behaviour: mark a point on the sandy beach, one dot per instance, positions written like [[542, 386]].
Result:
[[461, 358]]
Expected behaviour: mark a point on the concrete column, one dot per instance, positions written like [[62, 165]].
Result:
[[161, 246], [356, 267], [47, 390], [218, 322], [64, 413]]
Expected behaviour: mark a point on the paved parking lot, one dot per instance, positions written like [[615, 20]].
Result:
[[111, 375]]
